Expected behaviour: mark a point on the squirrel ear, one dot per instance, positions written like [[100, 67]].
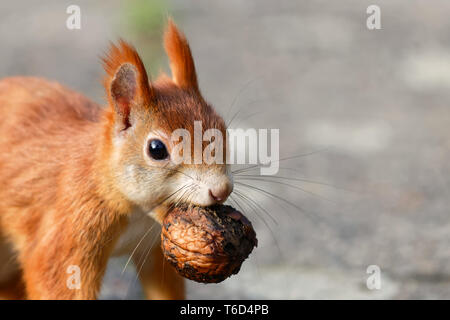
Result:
[[180, 56], [126, 82]]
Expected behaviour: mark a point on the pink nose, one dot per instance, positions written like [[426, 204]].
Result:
[[220, 193]]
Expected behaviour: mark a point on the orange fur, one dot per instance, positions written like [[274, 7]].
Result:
[[67, 191], [73, 173], [121, 55], [181, 61], [53, 205]]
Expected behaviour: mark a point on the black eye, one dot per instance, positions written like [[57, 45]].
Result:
[[157, 150]]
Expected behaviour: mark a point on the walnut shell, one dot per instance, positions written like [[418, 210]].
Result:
[[207, 244]]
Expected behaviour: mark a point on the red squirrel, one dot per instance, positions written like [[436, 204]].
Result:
[[81, 183]]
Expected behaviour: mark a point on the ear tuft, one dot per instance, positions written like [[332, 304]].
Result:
[[180, 56], [126, 80]]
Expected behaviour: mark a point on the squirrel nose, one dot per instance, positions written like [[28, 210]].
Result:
[[220, 193]]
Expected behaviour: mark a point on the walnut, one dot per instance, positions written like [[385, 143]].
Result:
[[207, 244]]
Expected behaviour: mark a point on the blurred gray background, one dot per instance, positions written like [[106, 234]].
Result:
[[373, 104]]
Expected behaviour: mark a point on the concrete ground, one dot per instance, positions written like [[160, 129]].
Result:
[[373, 103]]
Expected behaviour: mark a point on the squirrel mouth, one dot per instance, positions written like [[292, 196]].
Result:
[[161, 211]]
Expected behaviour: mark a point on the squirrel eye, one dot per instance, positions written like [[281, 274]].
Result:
[[157, 150]]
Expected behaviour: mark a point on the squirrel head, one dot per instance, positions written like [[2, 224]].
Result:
[[141, 120]]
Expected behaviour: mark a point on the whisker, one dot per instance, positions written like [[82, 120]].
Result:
[[142, 238], [282, 159], [256, 212], [295, 179], [143, 258], [243, 88], [292, 186], [235, 202], [258, 205], [170, 195], [148, 231], [182, 198], [146, 255], [282, 205], [264, 221], [192, 194], [263, 191], [242, 209], [248, 116], [240, 109], [141, 263]]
